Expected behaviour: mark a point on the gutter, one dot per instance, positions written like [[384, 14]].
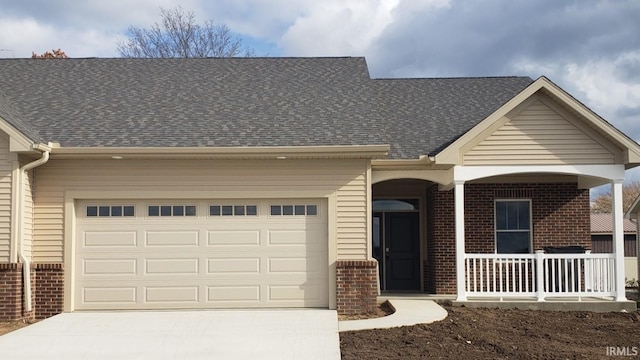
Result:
[[26, 264]]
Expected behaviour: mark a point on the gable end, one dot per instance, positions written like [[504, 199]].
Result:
[[541, 132]]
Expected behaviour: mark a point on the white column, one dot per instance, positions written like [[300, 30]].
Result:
[[460, 275], [618, 237]]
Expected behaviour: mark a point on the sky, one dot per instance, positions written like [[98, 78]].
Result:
[[589, 48]]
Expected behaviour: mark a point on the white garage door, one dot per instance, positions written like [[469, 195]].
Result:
[[201, 254]]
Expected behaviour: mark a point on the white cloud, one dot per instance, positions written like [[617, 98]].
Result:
[[338, 28], [24, 36]]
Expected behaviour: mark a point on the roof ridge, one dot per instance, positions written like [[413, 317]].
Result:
[[457, 77]]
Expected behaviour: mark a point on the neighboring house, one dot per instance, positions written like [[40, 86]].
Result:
[[602, 241], [634, 213], [287, 182]]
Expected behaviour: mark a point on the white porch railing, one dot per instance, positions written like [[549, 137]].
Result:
[[539, 275]]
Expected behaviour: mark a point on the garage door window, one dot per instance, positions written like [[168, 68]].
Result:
[[293, 210], [110, 211], [171, 210], [233, 210]]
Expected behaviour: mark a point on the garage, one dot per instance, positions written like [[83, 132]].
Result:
[[179, 254]]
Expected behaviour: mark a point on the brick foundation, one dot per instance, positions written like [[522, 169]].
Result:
[[560, 214], [356, 286], [47, 288]]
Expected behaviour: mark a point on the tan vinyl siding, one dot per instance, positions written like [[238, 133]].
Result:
[[28, 215], [5, 199], [344, 179], [540, 135], [351, 215]]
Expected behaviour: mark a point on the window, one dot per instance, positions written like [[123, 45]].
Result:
[[233, 210], [294, 210], [171, 210], [110, 211], [513, 226]]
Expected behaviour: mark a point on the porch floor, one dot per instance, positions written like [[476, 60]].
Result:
[[552, 304]]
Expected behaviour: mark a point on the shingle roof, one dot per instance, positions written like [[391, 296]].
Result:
[[423, 116], [603, 224], [241, 102]]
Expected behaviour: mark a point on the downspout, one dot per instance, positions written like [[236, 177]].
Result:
[[26, 264]]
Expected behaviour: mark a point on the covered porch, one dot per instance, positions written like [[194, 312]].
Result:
[[541, 274], [460, 255]]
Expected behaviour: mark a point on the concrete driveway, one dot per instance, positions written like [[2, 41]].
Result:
[[242, 334]]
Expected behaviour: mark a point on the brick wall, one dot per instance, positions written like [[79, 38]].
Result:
[[356, 286], [49, 290], [441, 245], [11, 293], [560, 213]]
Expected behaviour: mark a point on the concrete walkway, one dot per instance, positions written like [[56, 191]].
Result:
[[408, 312], [192, 335]]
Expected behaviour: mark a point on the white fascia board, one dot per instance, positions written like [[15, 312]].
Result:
[[244, 152], [608, 172]]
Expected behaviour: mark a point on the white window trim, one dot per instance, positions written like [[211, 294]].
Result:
[[495, 222]]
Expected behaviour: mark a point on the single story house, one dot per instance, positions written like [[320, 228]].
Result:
[[293, 182], [602, 241]]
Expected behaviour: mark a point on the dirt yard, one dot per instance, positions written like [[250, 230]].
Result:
[[501, 334], [7, 327]]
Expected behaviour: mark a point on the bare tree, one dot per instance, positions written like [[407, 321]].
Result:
[[602, 203], [179, 36]]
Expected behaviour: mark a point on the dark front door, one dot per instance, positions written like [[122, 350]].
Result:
[[397, 249]]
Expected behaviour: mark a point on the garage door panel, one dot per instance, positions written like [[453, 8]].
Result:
[[301, 294], [172, 266], [109, 267], [234, 265], [171, 238], [202, 262], [301, 265], [234, 237], [109, 238], [171, 294], [109, 295], [219, 293]]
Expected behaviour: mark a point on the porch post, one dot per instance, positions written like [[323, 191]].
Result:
[[618, 238], [460, 251]]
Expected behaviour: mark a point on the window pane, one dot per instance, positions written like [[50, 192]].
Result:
[[190, 210], [129, 211], [227, 210], [287, 210], [214, 210], [238, 210], [512, 242], [252, 210], [523, 215], [154, 210], [501, 215], [103, 211], [92, 211], [116, 211], [312, 210], [178, 211], [276, 210], [299, 209], [512, 215], [165, 210]]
